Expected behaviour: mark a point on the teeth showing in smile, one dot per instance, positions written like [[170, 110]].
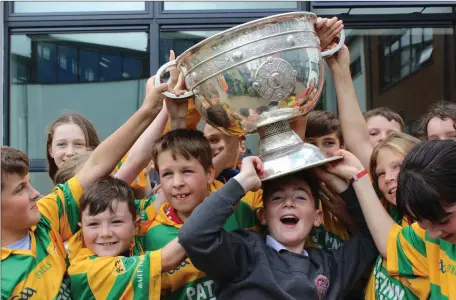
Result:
[[392, 191], [289, 220], [181, 196], [107, 244]]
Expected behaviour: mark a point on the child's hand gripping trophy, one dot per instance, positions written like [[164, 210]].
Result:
[[249, 177]]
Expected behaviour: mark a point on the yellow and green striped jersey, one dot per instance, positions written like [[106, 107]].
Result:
[[41, 273], [121, 277], [382, 285], [187, 282], [411, 252]]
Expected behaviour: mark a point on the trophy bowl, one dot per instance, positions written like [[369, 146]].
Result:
[[255, 78]]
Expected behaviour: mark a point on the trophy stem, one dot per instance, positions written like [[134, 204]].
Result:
[[277, 136], [282, 151]]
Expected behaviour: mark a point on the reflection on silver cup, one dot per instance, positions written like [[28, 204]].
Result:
[[255, 77]]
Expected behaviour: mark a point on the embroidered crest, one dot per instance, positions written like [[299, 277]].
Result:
[[322, 284]]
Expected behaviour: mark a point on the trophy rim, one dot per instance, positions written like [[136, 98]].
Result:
[[231, 30], [309, 166]]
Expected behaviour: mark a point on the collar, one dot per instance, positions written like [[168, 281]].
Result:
[[7, 251], [274, 244], [171, 214]]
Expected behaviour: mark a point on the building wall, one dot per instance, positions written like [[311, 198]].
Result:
[[412, 95]]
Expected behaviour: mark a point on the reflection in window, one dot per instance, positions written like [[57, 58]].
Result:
[[101, 76], [402, 54], [64, 60]]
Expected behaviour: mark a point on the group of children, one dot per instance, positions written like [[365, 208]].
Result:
[[378, 224]]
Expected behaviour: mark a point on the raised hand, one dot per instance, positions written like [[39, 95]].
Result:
[[153, 100], [345, 168], [327, 30], [340, 60], [249, 177]]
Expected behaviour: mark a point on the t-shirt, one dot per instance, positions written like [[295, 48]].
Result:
[[187, 282], [411, 252], [41, 272], [24, 243], [121, 277]]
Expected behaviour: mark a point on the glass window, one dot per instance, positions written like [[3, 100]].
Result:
[[403, 54], [28, 7], [228, 5], [403, 69], [101, 76]]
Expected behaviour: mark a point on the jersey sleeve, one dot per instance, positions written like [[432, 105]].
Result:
[[140, 180], [192, 118], [134, 277], [61, 207], [406, 251]]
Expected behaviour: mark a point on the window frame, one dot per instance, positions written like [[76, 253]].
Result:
[[161, 13], [60, 16]]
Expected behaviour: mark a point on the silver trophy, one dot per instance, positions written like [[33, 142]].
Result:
[[256, 78]]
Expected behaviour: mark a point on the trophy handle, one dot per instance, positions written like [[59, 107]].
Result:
[[337, 48], [158, 76]]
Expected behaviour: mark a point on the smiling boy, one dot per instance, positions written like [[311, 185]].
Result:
[[184, 161], [112, 264], [33, 231], [246, 266]]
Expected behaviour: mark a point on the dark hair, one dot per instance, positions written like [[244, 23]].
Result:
[[14, 161], [320, 123], [386, 113], [90, 135], [105, 193], [442, 110], [309, 176], [427, 181], [188, 143]]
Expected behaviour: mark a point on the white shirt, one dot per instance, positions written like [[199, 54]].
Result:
[[23, 244], [272, 242]]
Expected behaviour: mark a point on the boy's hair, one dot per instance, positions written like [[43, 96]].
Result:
[[320, 123], [188, 143], [441, 110], [398, 142], [427, 181], [386, 113], [71, 167], [105, 193], [309, 176], [90, 134], [14, 161]]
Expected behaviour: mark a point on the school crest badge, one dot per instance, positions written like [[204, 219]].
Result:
[[322, 284]]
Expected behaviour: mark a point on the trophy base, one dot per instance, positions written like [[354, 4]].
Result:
[[283, 152]]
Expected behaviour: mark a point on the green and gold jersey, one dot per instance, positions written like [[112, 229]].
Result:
[[411, 252], [187, 282], [41, 272], [121, 277], [382, 285]]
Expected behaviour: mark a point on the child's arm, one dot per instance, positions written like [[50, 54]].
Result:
[[378, 220], [172, 255], [220, 254], [354, 127], [140, 154], [105, 157], [226, 158]]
